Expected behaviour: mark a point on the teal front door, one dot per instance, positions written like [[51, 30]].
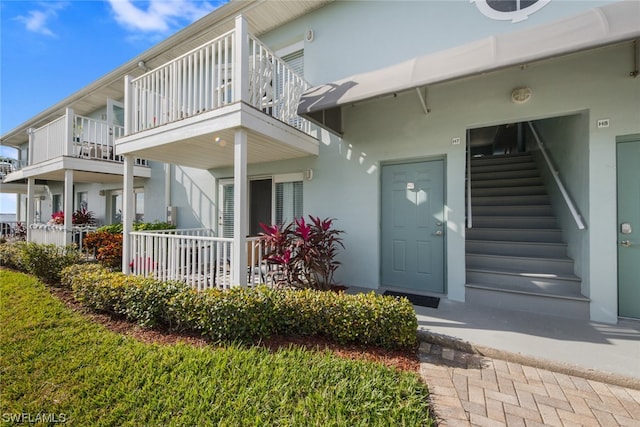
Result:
[[412, 230], [629, 229]]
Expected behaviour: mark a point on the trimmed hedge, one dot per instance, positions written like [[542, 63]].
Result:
[[245, 314], [43, 261]]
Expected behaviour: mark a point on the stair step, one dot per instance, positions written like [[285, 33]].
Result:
[[529, 199], [532, 265], [528, 222], [514, 235], [532, 302], [502, 167], [508, 174], [501, 159], [509, 191], [516, 278], [517, 210], [528, 249], [506, 182]]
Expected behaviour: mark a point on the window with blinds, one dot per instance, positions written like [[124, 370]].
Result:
[[288, 205], [295, 60], [227, 210], [288, 201]]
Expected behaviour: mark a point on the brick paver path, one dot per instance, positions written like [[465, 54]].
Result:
[[471, 390]]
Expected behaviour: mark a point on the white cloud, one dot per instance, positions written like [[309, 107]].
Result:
[[158, 15], [37, 20]]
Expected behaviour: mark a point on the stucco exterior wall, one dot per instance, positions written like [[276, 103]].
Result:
[[396, 128]]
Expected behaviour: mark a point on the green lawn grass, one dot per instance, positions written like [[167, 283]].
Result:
[[55, 361]]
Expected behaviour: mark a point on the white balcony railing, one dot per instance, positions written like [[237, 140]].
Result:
[[204, 79], [9, 165], [50, 141], [194, 256], [55, 234], [76, 136]]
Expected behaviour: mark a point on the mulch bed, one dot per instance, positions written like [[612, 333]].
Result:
[[406, 360]]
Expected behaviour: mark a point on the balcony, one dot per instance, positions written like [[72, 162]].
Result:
[[228, 102], [72, 142], [188, 110]]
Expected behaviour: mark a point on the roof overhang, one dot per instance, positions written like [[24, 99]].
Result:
[[262, 16], [601, 26], [21, 188]]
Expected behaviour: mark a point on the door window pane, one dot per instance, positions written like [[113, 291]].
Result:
[[82, 200], [139, 209], [56, 203]]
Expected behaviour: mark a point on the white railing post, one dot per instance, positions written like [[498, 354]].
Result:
[[31, 183], [127, 212], [68, 205], [129, 108], [241, 61], [68, 132], [31, 132]]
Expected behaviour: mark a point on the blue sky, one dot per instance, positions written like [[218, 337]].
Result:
[[50, 49]]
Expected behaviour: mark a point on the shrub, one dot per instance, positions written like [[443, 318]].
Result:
[[143, 226], [83, 217], [113, 228], [106, 246], [147, 301], [138, 226], [11, 255], [245, 314], [305, 252], [47, 261]]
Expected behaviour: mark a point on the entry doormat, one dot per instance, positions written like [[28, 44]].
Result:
[[422, 300]]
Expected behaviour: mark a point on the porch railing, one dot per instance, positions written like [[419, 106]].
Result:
[[76, 136], [13, 230], [194, 256], [55, 234], [9, 165], [51, 141], [203, 80]]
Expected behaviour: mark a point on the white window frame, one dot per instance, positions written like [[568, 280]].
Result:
[[119, 193], [275, 179]]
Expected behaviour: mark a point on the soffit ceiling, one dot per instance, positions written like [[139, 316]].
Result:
[[262, 17]]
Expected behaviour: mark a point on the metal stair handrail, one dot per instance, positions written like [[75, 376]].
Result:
[[556, 177]]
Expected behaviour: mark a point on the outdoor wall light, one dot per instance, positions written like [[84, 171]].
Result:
[[309, 35], [520, 95], [143, 66]]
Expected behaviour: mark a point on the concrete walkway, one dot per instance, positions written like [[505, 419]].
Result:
[[473, 390], [494, 367], [608, 352]]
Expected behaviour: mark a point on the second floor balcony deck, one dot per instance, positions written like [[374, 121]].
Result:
[[74, 142], [187, 110]]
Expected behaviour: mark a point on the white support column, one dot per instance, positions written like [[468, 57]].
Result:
[[241, 60], [127, 212], [239, 255], [68, 131], [31, 183], [68, 205], [18, 206]]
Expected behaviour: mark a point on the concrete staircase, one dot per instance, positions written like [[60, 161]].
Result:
[[515, 257]]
